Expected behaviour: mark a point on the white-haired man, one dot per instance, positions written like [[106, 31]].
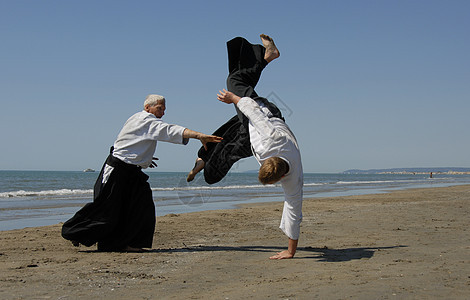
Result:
[[122, 214]]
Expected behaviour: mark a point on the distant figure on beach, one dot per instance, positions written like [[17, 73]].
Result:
[[122, 214], [258, 129]]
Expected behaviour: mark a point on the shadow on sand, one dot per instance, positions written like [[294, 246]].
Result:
[[321, 254]]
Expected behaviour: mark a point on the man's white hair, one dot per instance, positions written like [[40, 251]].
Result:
[[152, 100]]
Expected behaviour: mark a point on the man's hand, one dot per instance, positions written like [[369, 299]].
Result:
[[227, 97], [204, 138], [153, 164], [282, 255]]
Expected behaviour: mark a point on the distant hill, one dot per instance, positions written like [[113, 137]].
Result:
[[409, 170]]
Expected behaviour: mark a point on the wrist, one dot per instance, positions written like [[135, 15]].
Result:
[[191, 134], [236, 99]]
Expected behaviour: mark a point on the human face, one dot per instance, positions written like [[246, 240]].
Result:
[[157, 110]]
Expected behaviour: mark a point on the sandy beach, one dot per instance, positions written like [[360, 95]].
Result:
[[411, 244]]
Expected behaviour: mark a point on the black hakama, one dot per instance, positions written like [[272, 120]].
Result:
[[122, 212], [245, 62]]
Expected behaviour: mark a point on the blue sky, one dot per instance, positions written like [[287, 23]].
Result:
[[364, 84]]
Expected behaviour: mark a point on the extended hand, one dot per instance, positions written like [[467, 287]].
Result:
[[282, 255], [209, 139], [227, 97]]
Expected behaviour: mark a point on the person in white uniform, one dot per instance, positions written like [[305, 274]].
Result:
[[271, 141], [276, 149], [122, 214]]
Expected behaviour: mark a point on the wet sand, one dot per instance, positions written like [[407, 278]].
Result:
[[411, 244]]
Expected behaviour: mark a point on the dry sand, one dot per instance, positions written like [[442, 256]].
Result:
[[411, 244]]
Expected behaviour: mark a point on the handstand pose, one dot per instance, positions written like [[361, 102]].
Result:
[[260, 128]]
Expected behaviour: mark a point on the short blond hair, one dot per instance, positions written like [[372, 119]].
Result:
[[272, 170]]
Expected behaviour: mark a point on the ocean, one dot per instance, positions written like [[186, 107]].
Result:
[[39, 198]]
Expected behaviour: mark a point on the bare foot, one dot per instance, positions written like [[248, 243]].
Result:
[[198, 166], [271, 50], [282, 255]]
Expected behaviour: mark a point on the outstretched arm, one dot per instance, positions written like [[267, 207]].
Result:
[[204, 138], [251, 110]]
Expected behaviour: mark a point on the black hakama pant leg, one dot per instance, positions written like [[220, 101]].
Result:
[[220, 157], [121, 214], [134, 224], [246, 63]]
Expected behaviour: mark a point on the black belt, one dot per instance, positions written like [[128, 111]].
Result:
[[116, 162]]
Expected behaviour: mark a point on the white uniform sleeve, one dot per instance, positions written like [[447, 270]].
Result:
[[258, 118], [292, 212], [164, 132]]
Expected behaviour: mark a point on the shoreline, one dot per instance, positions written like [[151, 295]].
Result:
[[50, 214], [410, 243]]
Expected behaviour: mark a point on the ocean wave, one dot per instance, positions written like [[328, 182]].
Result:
[[373, 181], [183, 187], [61, 192], [79, 192], [314, 184], [202, 188]]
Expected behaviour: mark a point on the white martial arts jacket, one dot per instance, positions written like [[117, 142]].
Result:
[[137, 141], [270, 136]]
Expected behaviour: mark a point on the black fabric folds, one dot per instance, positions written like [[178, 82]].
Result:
[[246, 63], [121, 214]]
